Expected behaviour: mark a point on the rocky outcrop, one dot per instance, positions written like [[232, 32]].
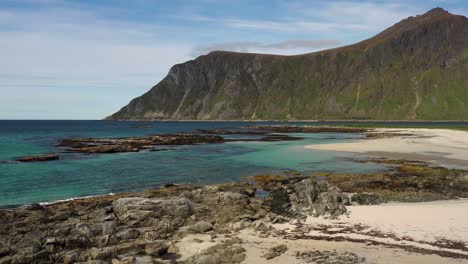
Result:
[[275, 251], [141, 227], [317, 198], [151, 143], [134, 144], [47, 157], [300, 197], [415, 69]]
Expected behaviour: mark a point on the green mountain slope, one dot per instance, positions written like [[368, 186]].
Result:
[[415, 70]]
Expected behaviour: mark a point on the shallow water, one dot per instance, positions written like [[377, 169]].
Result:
[[76, 175]]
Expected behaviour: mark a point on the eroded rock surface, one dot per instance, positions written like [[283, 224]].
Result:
[[142, 227]]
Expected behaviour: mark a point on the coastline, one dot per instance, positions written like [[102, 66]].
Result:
[[192, 224], [227, 222]]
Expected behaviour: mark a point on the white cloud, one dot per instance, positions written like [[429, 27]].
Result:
[[288, 47], [60, 55], [324, 17]]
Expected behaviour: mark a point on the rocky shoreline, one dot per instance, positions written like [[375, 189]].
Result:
[[144, 227], [208, 224]]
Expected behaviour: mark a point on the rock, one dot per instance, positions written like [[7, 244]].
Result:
[[78, 241], [202, 227], [107, 227], [103, 253], [279, 201], [124, 260], [156, 248], [134, 247], [128, 234], [6, 260], [106, 240], [36, 206], [316, 256], [278, 137], [172, 249], [197, 240], [47, 157], [318, 198], [275, 251], [138, 209], [261, 226], [239, 225], [279, 220], [367, 198], [4, 251], [72, 256], [219, 254], [134, 144]]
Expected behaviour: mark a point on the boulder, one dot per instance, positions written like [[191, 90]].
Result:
[[202, 227], [279, 201], [318, 198], [106, 253], [138, 209], [47, 157], [156, 248], [128, 234], [261, 226], [275, 252], [367, 198]]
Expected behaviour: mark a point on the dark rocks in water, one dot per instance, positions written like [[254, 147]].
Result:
[[134, 144], [310, 129], [274, 138], [40, 158], [159, 149], [267, 138], [231, 132], [151, 143]]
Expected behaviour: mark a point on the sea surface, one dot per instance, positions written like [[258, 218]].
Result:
[[78, 175]]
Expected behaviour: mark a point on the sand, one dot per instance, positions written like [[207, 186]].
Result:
[[394, 227], [438, 146], [376, 254], [407, 232]]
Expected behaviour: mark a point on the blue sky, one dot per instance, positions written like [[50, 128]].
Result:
[[64, 59]]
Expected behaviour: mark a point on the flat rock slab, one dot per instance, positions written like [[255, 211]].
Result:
[[47, 157]]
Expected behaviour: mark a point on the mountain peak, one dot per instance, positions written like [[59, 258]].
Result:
[[437, 11]]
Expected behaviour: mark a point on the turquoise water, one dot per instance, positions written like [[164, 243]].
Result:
[[76, 175]]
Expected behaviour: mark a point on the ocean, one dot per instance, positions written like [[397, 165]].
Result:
[[78, 175]]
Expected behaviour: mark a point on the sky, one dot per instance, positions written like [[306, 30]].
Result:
[[65, 59]]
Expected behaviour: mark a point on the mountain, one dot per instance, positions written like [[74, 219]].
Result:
[[414, 70]]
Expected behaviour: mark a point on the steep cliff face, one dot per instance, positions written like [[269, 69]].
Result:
[[417, 69]]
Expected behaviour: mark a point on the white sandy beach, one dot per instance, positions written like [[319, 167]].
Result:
[[438, 146], [407, 232]]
